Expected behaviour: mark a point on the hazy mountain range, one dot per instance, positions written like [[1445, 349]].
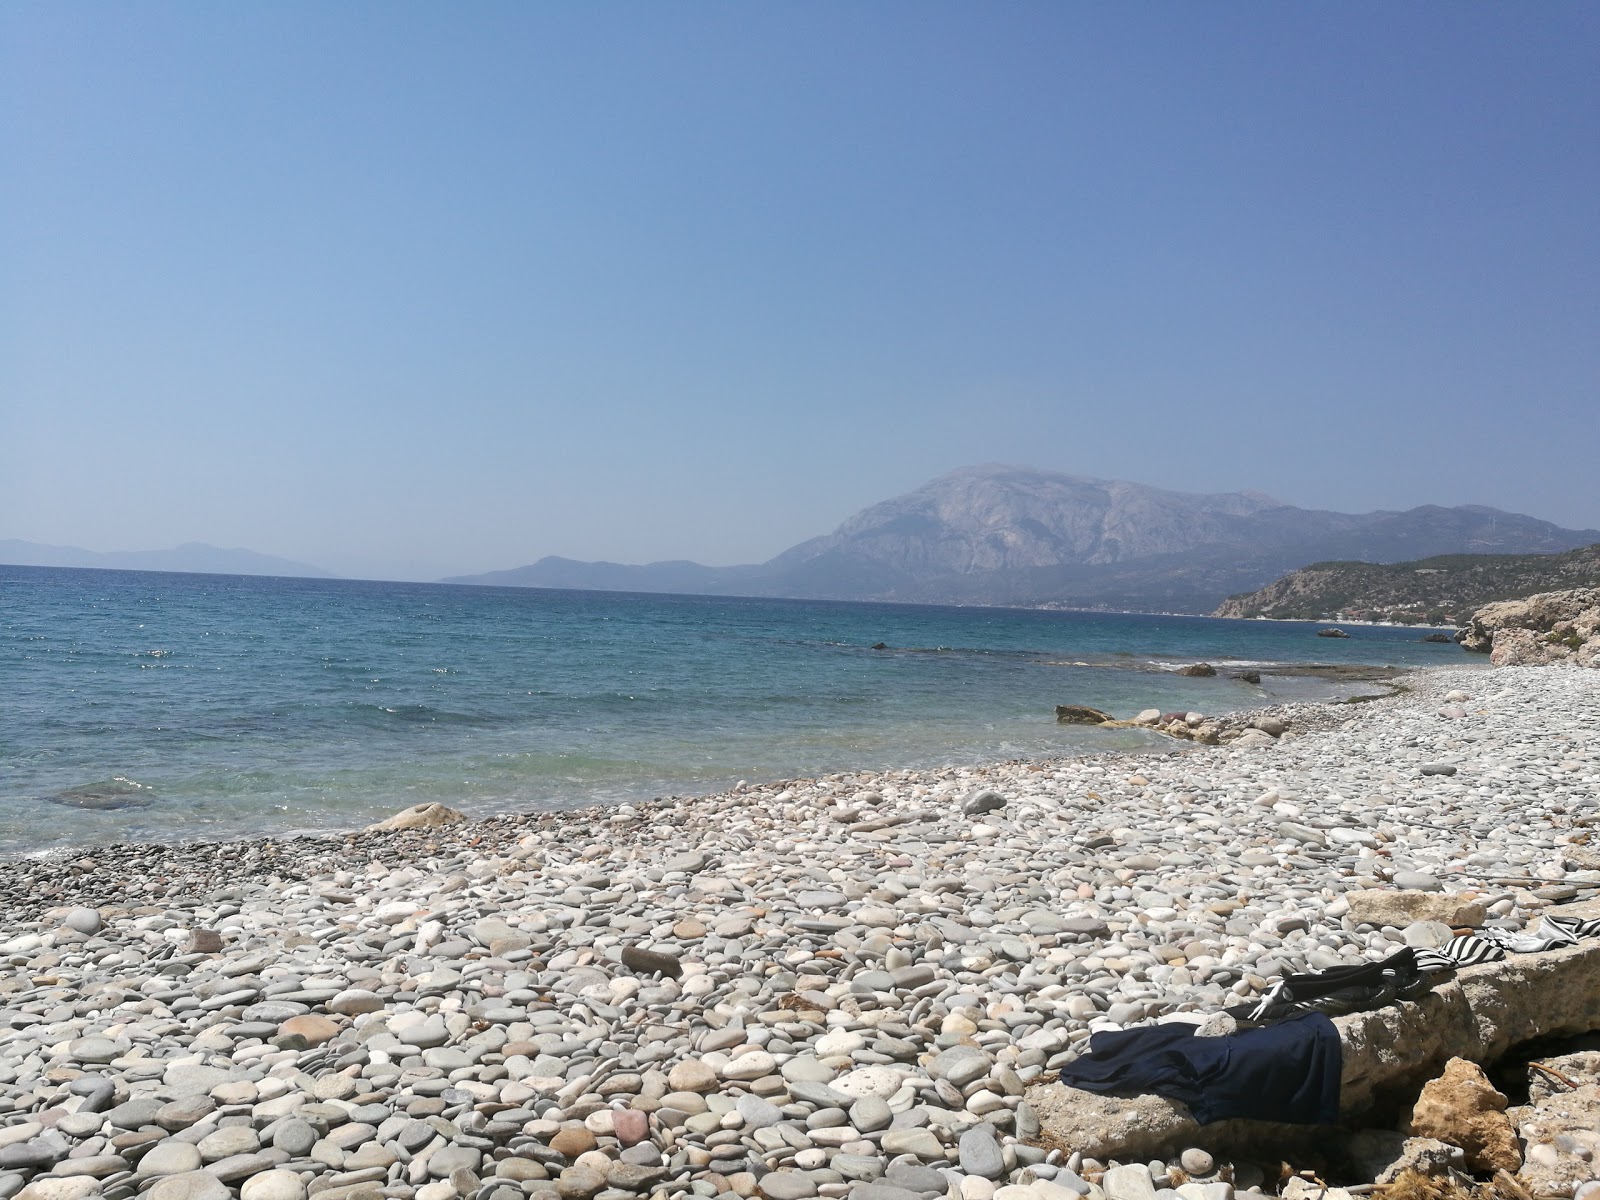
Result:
[[196, 557], [1013, 535], [997, 535]]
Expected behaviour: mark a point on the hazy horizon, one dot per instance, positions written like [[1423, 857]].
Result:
[[412, 293], [301, 561]]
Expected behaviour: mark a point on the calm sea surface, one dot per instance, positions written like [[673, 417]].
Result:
[[159, 707]]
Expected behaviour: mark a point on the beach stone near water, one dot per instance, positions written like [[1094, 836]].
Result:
[[984, 801], [418, 816], [1196, 1161], [1081, 714]]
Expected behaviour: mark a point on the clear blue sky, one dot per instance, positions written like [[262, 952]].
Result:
[[414, 289]]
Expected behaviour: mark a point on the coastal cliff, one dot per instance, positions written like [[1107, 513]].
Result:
[[1439, 590], [1552, 627]]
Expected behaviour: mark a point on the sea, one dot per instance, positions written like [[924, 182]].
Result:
[[157, 707]]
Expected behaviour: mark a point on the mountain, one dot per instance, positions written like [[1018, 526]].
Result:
[[1442, 590], [196, 557], [1018, 536]]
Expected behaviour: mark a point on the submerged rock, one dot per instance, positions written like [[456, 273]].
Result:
[[1081, 714]]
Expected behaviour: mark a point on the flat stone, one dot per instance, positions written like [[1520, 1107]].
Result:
[[920, 1142], [352, 1002], [273, 1185], [787, 1185], [195, 1185], [980, 1153], [316, 1030], [170, 1157]]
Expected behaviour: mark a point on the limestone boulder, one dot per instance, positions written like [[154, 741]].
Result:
[[1462, 1108], [1401, 907], [1382, 1154], [1551, 627], [418, 816]]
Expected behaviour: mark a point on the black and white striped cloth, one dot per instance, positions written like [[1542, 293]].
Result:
[[1490, 945], [1464, 951]]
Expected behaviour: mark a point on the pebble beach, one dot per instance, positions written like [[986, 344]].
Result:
[[833, 987]]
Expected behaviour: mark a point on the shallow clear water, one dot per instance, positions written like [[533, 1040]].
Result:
[[154, 706]]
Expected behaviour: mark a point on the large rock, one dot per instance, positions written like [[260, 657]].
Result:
[[1548, 628], [1080, 714], [419, 816], [1462, 1108], [1389, 1053], [1401, 907]]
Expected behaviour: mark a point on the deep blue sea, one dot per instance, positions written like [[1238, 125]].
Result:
[[141, 706]]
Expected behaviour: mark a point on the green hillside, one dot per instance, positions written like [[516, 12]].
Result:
[[1436, 591]]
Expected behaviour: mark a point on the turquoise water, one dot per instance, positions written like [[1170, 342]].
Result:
[[143, 706]]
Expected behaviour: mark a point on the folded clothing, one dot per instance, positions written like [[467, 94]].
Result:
[[1339, 990], [1552, 933], [1288, 1071]]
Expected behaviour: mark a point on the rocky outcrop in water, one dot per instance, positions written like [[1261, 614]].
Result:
[[1552, 627]]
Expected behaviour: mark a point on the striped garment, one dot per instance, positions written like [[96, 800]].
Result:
[[1465, 951]]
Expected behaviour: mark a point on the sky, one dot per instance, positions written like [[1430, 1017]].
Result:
[[412, 290]]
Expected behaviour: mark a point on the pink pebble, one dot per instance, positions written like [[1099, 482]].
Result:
[[630, 1125]]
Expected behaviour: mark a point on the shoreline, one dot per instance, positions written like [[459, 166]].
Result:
[[794, 989], [1338, 680]]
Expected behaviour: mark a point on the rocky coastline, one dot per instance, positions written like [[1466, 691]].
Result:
[[847, 986]]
